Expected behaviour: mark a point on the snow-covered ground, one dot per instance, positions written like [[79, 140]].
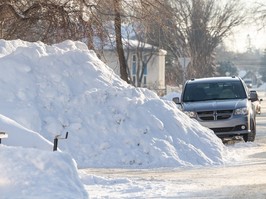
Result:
[[50, 90]]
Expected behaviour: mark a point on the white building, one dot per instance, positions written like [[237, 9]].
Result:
[[142, 56]]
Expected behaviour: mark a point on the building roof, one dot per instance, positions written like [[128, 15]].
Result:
[[131, 44]]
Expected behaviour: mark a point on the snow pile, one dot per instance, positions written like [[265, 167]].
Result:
[[33, 173], [20, 136], [66, 88]]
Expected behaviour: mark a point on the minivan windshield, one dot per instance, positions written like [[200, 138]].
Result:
[[213, 91]]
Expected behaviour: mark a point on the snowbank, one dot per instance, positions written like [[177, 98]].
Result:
[[33, 173], [66, 88], [20, 136]]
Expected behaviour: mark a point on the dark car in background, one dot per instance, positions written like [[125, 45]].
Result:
[[222, 104]]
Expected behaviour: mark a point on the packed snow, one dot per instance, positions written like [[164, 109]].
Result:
[[34, 173], [48, 90]]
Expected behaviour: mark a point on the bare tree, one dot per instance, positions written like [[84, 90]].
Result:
[[194, 28], [161, 30], [258, 12], [48, 21], [204, 23], [119, 43], [138, 52]]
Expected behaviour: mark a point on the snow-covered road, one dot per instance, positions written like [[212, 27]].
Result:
[[243, 177]]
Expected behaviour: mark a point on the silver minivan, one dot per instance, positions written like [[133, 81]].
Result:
[[222, 104]]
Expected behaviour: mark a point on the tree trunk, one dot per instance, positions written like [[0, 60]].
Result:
[[119, 43]]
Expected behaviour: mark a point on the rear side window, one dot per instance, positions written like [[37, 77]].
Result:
[[213, 91]]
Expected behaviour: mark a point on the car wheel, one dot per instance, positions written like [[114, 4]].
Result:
[[250, 137]]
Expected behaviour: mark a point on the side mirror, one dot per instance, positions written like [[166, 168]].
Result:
[[176, 100]]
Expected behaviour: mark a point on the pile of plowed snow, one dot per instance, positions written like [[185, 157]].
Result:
[[66, 88], [34, 173]]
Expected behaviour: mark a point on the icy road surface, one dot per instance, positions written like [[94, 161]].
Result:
[[243, 177]]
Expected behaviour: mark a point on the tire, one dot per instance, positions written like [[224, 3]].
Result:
[[250, 137]]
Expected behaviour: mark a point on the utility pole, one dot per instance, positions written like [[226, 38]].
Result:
[[184, 61]]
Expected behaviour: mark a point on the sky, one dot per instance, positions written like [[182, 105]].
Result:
[[245, 37], [47, 91], [248, 35]]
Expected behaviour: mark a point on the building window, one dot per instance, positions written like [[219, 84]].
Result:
[[134, 65], [134, 70], [145, 71], [145, 68]]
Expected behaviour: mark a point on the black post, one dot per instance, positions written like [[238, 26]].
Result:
[[55, 143], [3, 135], [56, 140]]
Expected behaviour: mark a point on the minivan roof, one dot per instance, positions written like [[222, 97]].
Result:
[[213, 79]]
